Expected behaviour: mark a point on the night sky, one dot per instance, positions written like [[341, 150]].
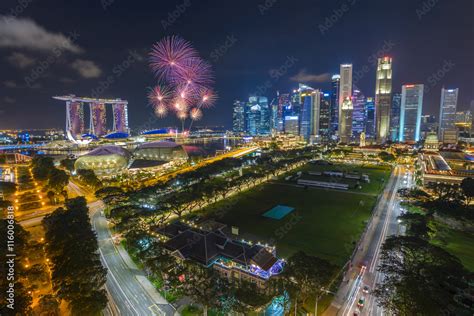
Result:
[[52, 47]]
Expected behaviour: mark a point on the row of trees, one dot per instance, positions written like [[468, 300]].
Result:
[[21, 298], [77, 274], [43, 169]]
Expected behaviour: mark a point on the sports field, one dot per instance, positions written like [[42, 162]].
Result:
[[324, 223]]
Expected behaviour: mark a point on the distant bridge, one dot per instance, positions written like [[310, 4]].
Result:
[[20, 146]]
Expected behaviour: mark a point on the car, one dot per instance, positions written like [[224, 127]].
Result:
[[361, 302], [365, 289]]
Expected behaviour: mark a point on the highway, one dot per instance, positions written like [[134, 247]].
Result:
[[362, 270]]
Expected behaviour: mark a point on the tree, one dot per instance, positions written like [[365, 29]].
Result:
[[417, 224], [420, 278], [467, 186], [68, 164], [386, 157], [88, 177], [304, 277], [48, 305], [22, 299], [41, 167], [7, 188], [77, 276], [57, 180]]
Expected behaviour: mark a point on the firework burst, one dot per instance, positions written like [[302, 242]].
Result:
[[185, 80], [170, 55]]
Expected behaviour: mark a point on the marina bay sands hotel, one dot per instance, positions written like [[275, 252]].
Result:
[[75, 127]]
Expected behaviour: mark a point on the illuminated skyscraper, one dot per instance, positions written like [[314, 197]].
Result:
[[410, 112], [370, 118], [358, 114], [395, 117], [383, 98], [308, 110], [258, 116], [447, 132], [335, 103], [345, 104], [324, 117], [98, 121], [74, 118], [120, 113], [283, 103], [238, 117]]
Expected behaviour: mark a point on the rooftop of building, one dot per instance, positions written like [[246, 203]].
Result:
[[205, 247], [108, 150]]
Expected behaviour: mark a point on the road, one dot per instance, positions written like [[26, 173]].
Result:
[[132, 293], [362, 271]]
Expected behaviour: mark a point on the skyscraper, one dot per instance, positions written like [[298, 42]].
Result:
[[120, 113], [395, 117], [308, 101], [258, 116], [410, 112], [238, 117], [291, 125], [335, 103], [447, 132], [283, 103], [383, 98], [358, 115], [370, 118], [324, 117], [345, 104]]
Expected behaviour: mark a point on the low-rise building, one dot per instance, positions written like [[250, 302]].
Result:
[[234, 260]]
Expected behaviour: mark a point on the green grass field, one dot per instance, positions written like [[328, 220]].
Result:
[[325, 223], [458, 243]]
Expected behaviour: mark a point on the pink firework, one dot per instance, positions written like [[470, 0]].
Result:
[[159, 95], [177, 65], [170, 55], [195, 114], [195, 73], [207, 97], [161, 110]]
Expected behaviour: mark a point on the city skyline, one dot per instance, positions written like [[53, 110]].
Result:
[[86, 62]]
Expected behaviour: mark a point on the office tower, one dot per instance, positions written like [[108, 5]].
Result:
[[395, 117], [345, 104], [370, 118], [292, 124], [383, 98], [324, 118], [283, 103], [258, 116], [429, 125], [335, 103], [410, 112], [238, 117], [274, 115], [358, 114], [447, 132], [308, 101]]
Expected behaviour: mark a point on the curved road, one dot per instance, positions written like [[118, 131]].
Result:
[[131, 291]]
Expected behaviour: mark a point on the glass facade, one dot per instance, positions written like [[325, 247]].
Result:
[[410, 113]]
